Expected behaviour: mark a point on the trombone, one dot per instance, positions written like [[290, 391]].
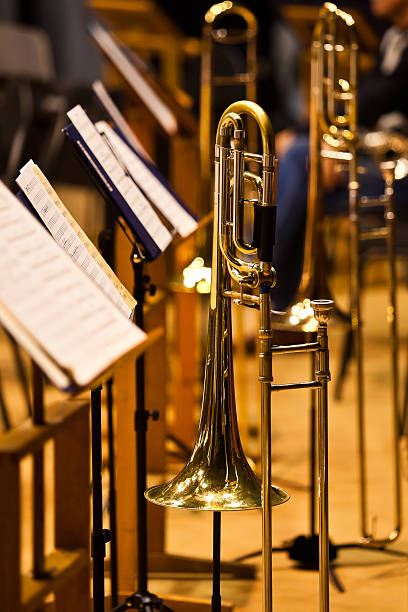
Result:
[[217, 476], [212, 36], [333, 120]]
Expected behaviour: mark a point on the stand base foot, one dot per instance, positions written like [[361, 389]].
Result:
[[175, 602], [145, 602], [164, 563], [178, 604], [305, 550]]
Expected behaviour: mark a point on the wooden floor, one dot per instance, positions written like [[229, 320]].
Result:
[[372, 581]]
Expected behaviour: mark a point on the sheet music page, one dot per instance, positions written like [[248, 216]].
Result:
[[155, 190], [143, 89], [54, 302], [117, 117], [133, 196], [70, 236]]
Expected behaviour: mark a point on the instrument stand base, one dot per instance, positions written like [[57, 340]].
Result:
[[305, 550], [146, 602]]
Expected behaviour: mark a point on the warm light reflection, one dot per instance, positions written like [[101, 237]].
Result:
[[401, 169], [216, 10], [302, 312], [345, 16], [197, 275], [345, 85], [332, 142]]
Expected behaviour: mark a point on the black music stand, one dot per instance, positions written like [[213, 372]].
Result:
[[141, 599], [99, 536], [105, 243]]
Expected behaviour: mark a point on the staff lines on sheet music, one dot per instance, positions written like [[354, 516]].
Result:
[[64, 332], [152, 186], [134, 197], [75, 243]]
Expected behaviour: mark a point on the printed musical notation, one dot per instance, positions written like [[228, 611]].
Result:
[[70, 236], [67, 324], [133, 196], [153, 186]]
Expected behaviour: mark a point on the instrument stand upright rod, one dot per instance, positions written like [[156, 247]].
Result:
[[106, 246], [216, 594], [142, 599], [112, 495], [99, 536]]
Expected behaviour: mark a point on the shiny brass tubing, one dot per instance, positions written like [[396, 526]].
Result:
[[293, 386], [366, 201], [381, 232], [296, 348], [323, 376], [236, 79], [389, 218]]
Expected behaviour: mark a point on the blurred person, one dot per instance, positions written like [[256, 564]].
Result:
[[77, 62], [383, 103]]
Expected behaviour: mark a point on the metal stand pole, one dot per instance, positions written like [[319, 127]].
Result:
[[106, 245], [141, 417], [141, 599], [216, 594], [112, 495], [99, 535]]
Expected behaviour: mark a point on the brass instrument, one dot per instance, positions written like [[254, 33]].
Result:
[[333, 121], [212, 35], [217, 476]]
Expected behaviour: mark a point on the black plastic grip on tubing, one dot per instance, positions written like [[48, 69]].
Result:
[[264, 231]]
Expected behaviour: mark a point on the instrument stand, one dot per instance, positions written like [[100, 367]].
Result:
[[99, 536], [105, 243], [142, 599], [216, 578]]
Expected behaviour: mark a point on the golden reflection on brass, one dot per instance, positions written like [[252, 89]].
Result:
[[214, 34], [218, 476], [334, 135]]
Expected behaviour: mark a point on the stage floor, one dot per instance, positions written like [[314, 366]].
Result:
[[373, 581]]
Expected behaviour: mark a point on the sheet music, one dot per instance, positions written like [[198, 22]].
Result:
[[143, 89], [119, 120], [155, 190], [70, 236], [54, 303], [133, 196]]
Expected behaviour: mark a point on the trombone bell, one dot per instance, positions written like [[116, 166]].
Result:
[[217, 475]]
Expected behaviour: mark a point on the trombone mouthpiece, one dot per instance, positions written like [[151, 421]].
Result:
[[322, 310]]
